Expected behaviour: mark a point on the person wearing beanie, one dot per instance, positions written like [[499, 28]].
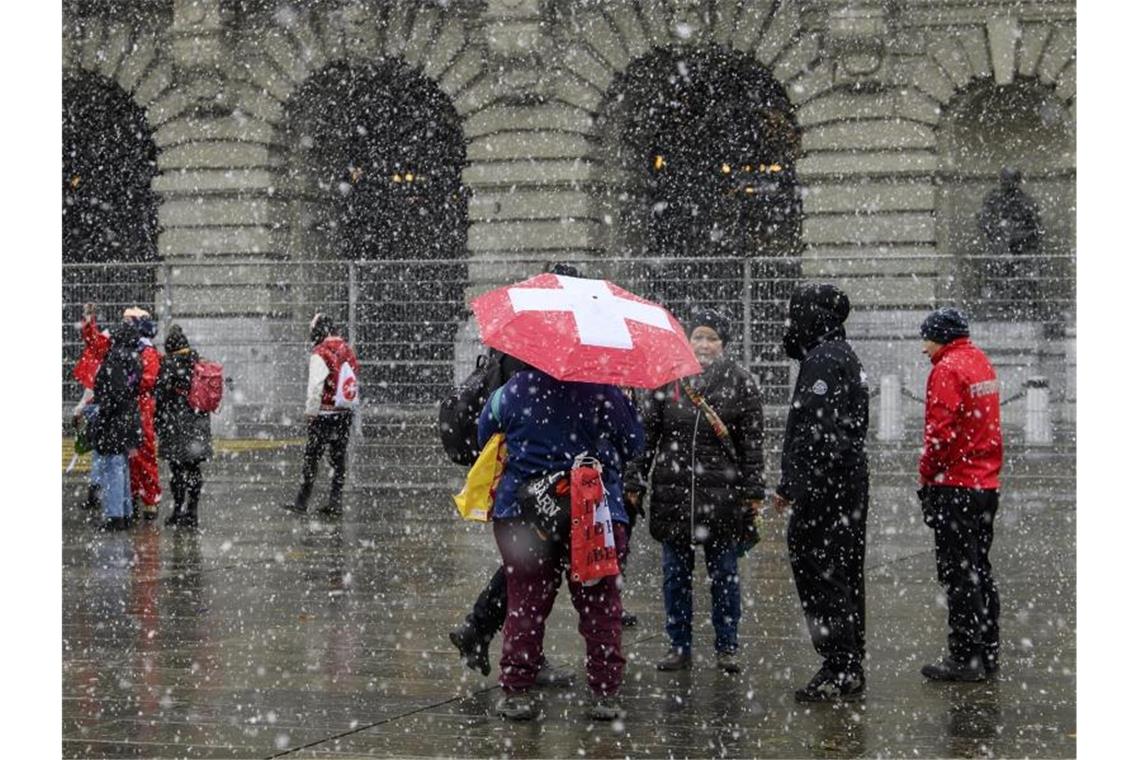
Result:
[[705, 450], [824, 480], [184, 438], [328, 418], [958, 475]]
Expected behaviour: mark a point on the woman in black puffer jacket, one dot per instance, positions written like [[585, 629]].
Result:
[[184, 439], [705, 489]]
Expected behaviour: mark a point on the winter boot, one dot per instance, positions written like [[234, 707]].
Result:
[[473, 648], [728, 662], [94, 499], [628, 619], [175, 517], [950, 669], [517, 706], [675, 660], [607, 708], [828, 686], [553, 675]]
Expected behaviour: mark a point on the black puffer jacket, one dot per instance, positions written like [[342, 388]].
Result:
[[183, 433], [117, 426], [696, 482]]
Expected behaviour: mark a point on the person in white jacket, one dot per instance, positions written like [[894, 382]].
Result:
[[329, 399]]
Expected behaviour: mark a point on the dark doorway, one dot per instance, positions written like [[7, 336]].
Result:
[[110, 212], [707, 141], [378, 151]]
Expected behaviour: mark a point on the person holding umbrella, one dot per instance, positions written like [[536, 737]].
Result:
[[583, 338], [705, 445]]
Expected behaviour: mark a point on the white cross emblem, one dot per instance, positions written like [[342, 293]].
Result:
[[599, 315]]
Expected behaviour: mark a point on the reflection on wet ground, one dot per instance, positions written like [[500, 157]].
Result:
[[271, 635]]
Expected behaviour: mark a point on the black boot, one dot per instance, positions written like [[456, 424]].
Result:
[[473, 647], [94, 500], [175, 516]]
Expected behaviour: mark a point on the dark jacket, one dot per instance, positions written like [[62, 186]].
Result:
[[547, 422], [117, 426], [696, 482], [183, 432], [827, 421]]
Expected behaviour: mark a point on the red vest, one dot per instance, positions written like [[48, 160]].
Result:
[[962, 445], [334, 352]]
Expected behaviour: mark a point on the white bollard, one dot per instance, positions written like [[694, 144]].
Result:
[[1038, 427], [890, 409]]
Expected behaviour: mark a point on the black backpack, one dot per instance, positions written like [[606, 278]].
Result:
[[459, 412]]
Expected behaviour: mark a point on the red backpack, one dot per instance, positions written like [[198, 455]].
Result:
[[206, 387]]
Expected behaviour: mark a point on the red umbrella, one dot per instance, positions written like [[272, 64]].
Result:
[[585, 330]]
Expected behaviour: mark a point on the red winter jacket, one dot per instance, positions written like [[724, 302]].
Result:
[[334, 352], [962, 444]]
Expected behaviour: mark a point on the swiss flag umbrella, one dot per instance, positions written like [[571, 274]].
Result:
[[585, 330]]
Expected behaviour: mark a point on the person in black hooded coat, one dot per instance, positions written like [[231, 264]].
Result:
[[704, 489], [824, 479], [184, 438], [116, 428]]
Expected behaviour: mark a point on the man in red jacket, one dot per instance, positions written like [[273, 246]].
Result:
[[958, 478], [328, 413]]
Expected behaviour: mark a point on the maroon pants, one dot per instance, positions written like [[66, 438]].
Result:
[[534, 568]]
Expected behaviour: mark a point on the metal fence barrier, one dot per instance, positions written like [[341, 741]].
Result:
[[410, 325]]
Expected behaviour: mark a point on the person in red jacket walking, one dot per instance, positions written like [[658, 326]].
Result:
[[958, 478], [328, 422]]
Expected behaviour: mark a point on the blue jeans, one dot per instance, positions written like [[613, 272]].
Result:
[[110, 472], [677, 565]]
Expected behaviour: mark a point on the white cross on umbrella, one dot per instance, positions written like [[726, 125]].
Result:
[[599, 314], [585, 331]]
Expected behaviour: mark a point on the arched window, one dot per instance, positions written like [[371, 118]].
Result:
[[1012, 238], [706, 143], [376, 152], [110, 212]]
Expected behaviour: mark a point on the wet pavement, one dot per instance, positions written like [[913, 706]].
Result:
[[267, 634]]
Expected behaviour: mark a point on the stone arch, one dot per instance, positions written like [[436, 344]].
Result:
[[600, 48], [1006, 97]]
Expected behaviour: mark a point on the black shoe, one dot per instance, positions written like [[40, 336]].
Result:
[[628, 619], [472, 647], [174, 518], [331, 510], [93, 500], [114, 524], [675, 660], [827, 686], [296, 508], [188, 520], [949, 669]]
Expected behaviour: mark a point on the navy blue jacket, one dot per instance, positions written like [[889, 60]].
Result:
[[548, 422]]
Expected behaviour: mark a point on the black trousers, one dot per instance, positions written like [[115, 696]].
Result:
[[186, 485], [827, 544], [963, 523], [326, 431]]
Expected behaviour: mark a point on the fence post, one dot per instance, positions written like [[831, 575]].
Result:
[[352, 297], [167, 298], [1038, 430], [747, 344], [890, 409]]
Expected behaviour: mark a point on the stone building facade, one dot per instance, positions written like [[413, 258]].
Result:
[[904, 110]]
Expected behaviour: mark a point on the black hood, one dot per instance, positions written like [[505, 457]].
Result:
[[815, 312]]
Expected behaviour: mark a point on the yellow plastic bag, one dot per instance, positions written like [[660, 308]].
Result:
[[478, 494]]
